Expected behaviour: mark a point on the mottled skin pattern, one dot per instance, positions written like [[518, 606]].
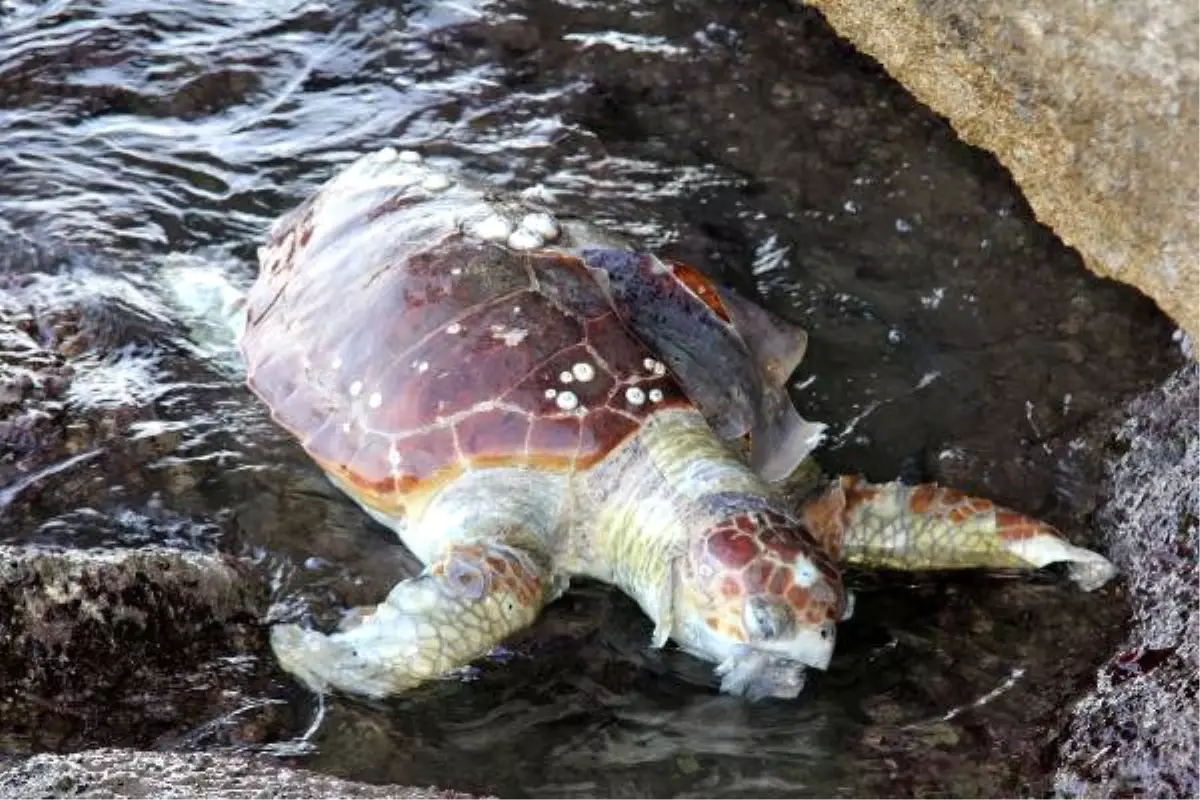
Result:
[[503, 407], [447, 617], [931, 527], [754, 555]]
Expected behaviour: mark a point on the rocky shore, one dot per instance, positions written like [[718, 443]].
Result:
[[132, 773], [1135, 732], [1091, 106]]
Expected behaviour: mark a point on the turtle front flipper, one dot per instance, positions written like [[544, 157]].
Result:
[[457, 610], [931, 527]]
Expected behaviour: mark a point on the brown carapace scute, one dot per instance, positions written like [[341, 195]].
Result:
[[493, 358]]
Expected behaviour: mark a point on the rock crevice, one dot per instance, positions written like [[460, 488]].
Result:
[[1091, 106]]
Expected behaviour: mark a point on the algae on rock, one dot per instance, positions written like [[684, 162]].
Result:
[[1135, 733]]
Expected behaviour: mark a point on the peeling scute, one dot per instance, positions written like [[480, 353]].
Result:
[[776, 345]]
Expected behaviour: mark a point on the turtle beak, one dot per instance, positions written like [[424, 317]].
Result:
[[812, 646], [757, 674]]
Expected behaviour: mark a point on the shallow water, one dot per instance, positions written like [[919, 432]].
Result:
[[952, 338]]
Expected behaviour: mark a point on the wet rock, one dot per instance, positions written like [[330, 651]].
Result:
[[130, 773], [1135, 734], [81, 349], [1092, 106], [103, 407], [128, 647]]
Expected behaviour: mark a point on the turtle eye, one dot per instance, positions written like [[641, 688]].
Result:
[[767, 618]]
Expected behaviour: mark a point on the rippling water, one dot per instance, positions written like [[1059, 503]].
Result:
[[952, 338]]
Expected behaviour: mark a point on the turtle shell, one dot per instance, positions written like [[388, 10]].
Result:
[[400, 349]]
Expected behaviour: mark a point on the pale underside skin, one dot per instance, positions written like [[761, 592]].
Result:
[[626, 522]]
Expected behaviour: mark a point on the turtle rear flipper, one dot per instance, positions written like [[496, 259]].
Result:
[[732, 357], [459, 609], [780, 438], [206, 298], [777, 345], [931, 527]]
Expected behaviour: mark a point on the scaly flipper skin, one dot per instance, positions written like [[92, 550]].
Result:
[[459, 609], [930, 527]]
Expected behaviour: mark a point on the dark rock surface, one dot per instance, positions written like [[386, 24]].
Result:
[[1136, 733], [112, 647], [131, 773], [120, 623]]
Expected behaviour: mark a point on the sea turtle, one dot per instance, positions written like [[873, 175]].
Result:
[[524, 400]]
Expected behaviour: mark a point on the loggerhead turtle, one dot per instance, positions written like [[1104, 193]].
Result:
[[524, 400]]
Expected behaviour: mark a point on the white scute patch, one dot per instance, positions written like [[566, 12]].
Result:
[[337, 363], [494, 228], [654, 366], [805, 574], [566, 400], [453, 328], [522, 239], [510, 336], [542, 224], [375, 400], [537, 194], [550, 393], [583, 372], [656, 395], [635, 395], [565, 377], [356, 388], [393, 456]]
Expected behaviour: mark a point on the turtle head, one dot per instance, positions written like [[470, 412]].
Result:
[[759, 596]]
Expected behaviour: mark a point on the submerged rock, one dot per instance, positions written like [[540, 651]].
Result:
[[80, 369], [130, 773], [124, 646], [1136, 733], [1092, 106], [134, 632]]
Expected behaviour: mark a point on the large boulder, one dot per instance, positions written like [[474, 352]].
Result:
[[132, 773], [1135, 733], [1091, 106]]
